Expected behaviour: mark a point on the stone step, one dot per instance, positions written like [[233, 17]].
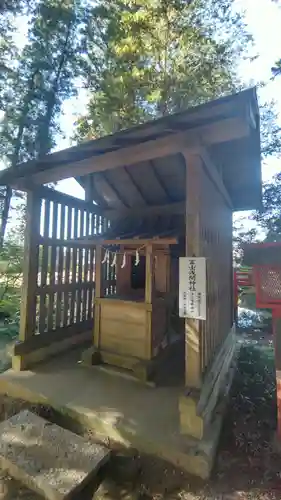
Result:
[[48, 459]]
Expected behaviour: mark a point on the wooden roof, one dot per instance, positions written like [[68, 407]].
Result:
[[143, 167], [158, 181], [147, 227], [156, 229]]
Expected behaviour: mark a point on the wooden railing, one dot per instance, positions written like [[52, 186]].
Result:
[[59, 272], [65, 283]]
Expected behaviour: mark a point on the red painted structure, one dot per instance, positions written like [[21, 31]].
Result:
[[243, 277], [266, 261], [268, 286]]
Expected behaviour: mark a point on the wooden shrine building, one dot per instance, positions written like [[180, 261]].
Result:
[[107, 269]]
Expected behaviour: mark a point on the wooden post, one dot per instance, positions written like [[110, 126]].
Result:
[[148, 299], [89, 189], [30, 270], [192, 327], [30, 267], [98, 281], [148, 274]]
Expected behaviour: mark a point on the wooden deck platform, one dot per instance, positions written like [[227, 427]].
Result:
[[116, 407]]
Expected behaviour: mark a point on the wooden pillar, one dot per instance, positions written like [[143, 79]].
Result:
[[30, 271], [192, 327], [30, 267], [98, 283], [148, 298], [148, 274], [89, 189]]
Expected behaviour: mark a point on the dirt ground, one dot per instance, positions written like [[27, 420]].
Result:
[[247, 466]]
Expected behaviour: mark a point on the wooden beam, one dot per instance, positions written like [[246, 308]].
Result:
[[133, 241], [89, 197], [221, 131], [98, 291], [171, 208], [30, 267], [213, 174], [25, 361], [96, 241], [148, 274], [160, 181], [54, 242], [136, 186], [91, 193], [149, 282], [65, 287], [98, 271], [115, 191], [66, 199], [137, 194], [194, 168], [51, 337]]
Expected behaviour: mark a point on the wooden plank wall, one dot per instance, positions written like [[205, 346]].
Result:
[[216, 245], [65, 279]]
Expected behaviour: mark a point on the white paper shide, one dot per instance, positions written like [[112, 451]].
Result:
[[192, 287]]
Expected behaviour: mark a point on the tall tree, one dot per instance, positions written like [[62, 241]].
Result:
[[45, 76], [155, 57], [8, 52], [269, 217], [10, 6], [265, 223], [8, 57], [276, 69]]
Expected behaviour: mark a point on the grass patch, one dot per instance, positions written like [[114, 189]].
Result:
[[251, 419]]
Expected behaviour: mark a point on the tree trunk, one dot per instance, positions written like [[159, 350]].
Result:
[[15, 158], [5, 214], [51, 98]]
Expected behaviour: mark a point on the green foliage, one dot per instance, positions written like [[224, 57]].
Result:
[[242, 235], [44, 78], [270, 130], [269, 217], [153, 58], [8, 53], [11, 258], [10, 6], [264, 223], [252, 398], [276, 70], [38, 83]]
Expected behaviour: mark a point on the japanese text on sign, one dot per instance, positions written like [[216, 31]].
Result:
[[192, 287]]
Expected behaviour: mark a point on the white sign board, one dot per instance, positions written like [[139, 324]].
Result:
[[192, 287]]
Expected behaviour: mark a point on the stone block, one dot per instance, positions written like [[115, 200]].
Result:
[[48, 459], [191, 424]]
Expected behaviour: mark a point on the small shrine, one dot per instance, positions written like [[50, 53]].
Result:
[[137, 292], [141, 265]]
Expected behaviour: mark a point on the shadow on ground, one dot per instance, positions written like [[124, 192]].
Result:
[[247, 466]]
